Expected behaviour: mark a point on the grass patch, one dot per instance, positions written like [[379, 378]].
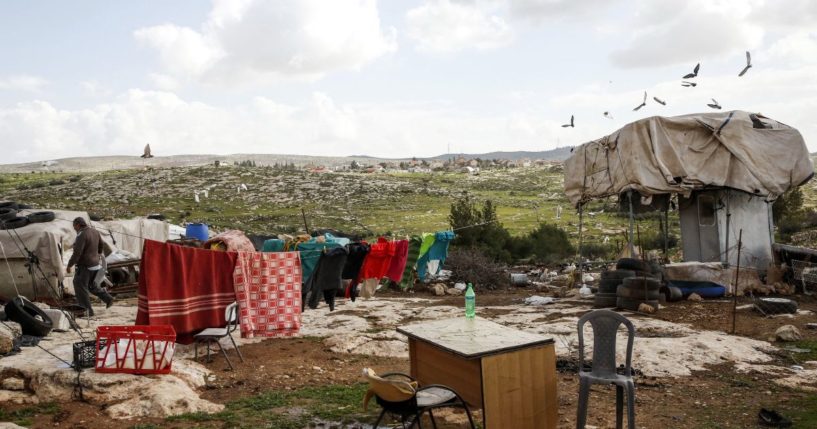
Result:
[[810, 345], [804, 413], [287, 409], [23, 416]]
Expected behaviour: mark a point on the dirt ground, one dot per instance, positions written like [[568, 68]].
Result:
[[718, 398]]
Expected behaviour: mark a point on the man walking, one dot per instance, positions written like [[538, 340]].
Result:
[[87, 251]]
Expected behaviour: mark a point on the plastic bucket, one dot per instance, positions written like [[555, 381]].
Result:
[[199, 231], [519, 279]]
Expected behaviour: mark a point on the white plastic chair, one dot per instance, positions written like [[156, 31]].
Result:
[[214, 335]]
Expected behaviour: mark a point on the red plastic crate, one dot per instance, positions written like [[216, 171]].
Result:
[[139, 349]]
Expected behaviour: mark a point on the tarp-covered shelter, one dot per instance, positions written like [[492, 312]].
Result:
[[727, 168], [51, 242]]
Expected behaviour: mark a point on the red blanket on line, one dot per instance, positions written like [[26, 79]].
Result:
[[185, 287], [268, 291]]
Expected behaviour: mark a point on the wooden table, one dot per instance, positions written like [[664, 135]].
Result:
[[509, 374]]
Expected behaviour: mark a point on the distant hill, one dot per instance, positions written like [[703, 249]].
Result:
[[102, 163], [558, 154]]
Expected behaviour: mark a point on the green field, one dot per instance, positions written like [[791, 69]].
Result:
[[370, 204]]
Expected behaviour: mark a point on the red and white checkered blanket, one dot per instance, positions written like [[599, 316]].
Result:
[[268, 291]]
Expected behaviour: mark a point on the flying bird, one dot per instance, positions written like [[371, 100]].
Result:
[[608, 115], [570, 124], [689, 84], [694, 72], [748, 64], [714, 104], [660, 101], [643, 103], [147, 152]]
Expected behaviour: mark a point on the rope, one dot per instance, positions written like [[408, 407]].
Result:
[[23, 251], [11, 274]]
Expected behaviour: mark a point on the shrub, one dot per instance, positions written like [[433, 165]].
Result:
[[471, 265]]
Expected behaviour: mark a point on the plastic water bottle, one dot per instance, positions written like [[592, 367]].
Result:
[[470, 302]]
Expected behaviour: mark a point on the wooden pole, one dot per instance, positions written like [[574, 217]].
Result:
[[306, 226], [735, 291], [630, 238]]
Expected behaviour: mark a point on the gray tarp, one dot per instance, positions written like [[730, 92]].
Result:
[[680, 154]]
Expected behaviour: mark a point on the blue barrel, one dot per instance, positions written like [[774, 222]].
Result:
[[198, 231]]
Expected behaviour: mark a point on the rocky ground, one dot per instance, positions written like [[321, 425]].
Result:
[[691, 373]]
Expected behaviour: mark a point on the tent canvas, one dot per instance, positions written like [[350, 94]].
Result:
[[51, 242], [660, 155]]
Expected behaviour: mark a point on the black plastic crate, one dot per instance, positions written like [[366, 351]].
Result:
[[85, 353]]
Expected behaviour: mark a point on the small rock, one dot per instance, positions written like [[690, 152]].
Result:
[[453, 291], [788, 333], [646, 308], [438, 289], [695, 297], [797, 367], [317, 368], [811, 325], [13, 383]]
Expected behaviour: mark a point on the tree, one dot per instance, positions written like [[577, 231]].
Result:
[[354, 165]]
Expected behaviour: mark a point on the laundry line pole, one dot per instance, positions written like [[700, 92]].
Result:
[[306, 226]]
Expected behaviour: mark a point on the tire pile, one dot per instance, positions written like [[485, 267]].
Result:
[[632, 283], [10, 219]]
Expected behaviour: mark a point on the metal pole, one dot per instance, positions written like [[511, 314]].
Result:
[[581, 229], [306, 226], [666, 234], [735, 292], [728, 222], [630, 199]]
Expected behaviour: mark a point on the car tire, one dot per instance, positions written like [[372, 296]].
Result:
[[648, 283], [9, 204], [636, 293], [25, 313], [602, 300], [17, 222], [7, 213], [617, 274], [776, 306], [672, 293], [632, 264], [609, 286], [38, 217]]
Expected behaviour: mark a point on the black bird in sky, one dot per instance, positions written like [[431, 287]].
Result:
[[689, 84], [643, 103], [608, 115], [660, 101], [694, 72], [748, 64], [570, 124], [714, 104]]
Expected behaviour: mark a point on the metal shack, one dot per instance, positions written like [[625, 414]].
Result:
[[727, 168]]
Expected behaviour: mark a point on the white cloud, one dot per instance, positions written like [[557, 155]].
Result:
[[679, 31], [252, 41], [541, 10], [22, 83], [95, 89], [450, 25]]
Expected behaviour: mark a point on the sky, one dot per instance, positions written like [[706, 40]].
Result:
[[390, 79]]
